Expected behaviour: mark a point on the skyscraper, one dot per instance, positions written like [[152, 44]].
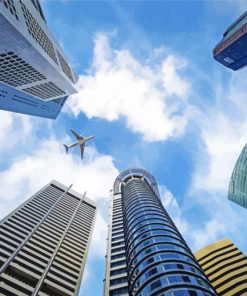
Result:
[[44, 243], [238, 184], [35, 77], [226, 267], [146, 254]]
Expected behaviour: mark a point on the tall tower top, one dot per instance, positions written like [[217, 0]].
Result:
[[135, 173]]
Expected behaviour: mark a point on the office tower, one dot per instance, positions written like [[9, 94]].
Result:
[[238, 184], [230, 51], [146, 254], [44, 243], [226, 267], [35, 77]]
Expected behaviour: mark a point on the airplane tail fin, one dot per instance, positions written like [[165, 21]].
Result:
[[66, 148]]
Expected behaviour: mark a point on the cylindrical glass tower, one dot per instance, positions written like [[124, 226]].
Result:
[[158, 260]]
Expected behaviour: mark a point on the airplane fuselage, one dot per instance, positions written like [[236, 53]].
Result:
[[81, 141]]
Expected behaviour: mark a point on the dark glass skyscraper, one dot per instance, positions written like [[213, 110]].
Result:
[[146, 254], [238, 184]]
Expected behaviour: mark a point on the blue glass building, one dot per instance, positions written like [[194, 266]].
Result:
[[19, 102], [35, 77], [238, 184], [146, 254]]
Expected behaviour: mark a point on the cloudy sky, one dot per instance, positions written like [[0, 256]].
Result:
[[155, 98]]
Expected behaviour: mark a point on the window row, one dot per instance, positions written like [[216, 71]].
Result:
[[163, 268], [158, 236], [155, 236], [118, 281], [151, 223], [166, 281], [160, 257], [156, 249]]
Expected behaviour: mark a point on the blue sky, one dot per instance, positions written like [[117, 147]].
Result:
[[154, 97]]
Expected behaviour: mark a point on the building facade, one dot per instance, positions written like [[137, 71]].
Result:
[[35, 77], [146, 254], [238, 184], [44, 243], [226, 267]]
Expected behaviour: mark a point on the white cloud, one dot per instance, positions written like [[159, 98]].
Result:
[[27, 173], [223, 130], [30, 172], [239, 5], [14, 129], [171, 205], [212, 231], [223, 133], [151, 97], [207, 231], [98, 244], [223, 140], [236, 7], [86, 276]]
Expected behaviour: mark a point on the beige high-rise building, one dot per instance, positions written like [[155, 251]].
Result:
[[226, 267], [44, 243]]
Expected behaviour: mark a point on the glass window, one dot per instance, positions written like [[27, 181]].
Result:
[[169, 266], [150, 260], [152, 271], [117, 244], [122, 262], [117, 233], [193, 293], [113, 257], [117, 238], [155, 285], [120, 291], [118, 250], [174, 279], [118, 281], [186, 279], [200, 282], [118, 271], [148, 251]]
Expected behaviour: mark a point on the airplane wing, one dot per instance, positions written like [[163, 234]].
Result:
[[78, 137], [82, 146]]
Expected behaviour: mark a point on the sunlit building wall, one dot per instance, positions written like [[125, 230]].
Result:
[[146, 254], [44, 243], [226, 267], [33, 67]]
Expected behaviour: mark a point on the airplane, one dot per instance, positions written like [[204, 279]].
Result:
[[81, 140]]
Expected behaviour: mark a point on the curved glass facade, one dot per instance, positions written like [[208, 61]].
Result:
[[147, 255], [238, 184]]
